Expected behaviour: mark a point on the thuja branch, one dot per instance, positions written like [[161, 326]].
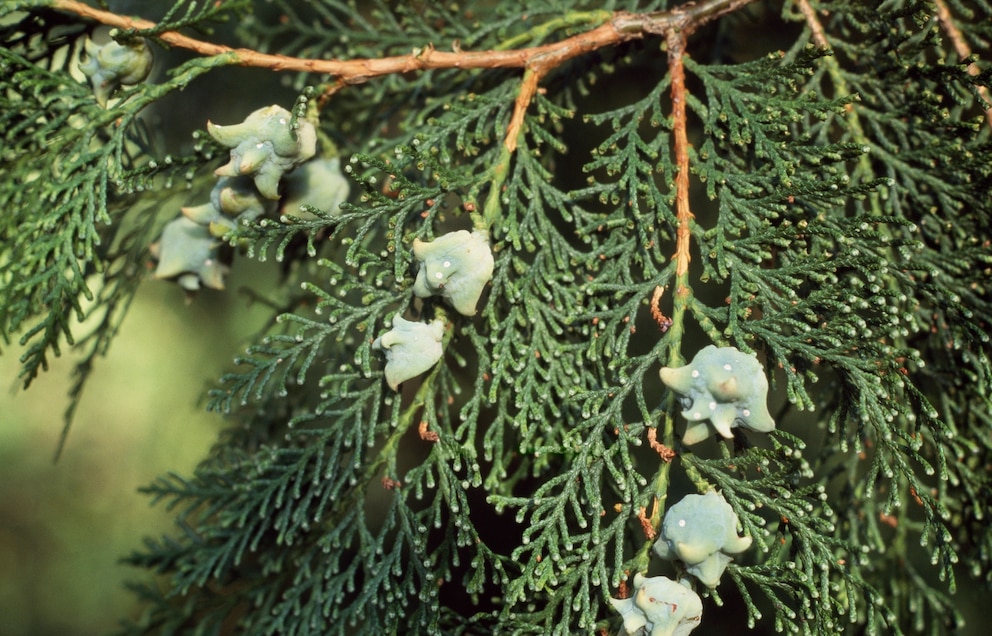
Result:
[[621, 27], [676, 49], [532, 77], [962, 49], [813, 22], [541, 31], [837, 77], [683, 233], [675, 40]]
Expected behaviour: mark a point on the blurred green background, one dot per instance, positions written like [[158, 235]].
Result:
[[64, 526]]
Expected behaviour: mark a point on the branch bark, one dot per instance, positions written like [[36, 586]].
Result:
[[815, 27], [528, 87], [676, 69], [538, 60], [623, 27]]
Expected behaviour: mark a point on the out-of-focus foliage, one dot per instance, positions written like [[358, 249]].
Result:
[[64, 525]]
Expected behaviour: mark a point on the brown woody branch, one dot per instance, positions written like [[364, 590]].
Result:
[[676, 25], [538, 60], [532, 77], [819, 37], [683, 232], [623, 27]]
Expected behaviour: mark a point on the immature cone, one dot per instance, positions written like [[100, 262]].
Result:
[[455, 266], [659, 607], [701, 531], [411, 348], [114, 64], [265, 146], [188, 252], [721, 386], [237, 197], [319, 183], [231, 197]]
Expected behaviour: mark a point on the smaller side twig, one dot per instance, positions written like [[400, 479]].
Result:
[[647, 522], [819, 37], [963, 50], [528, 87], [666, 453]]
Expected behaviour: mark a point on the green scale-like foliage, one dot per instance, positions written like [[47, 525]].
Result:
[[841, 208], [74, 236]]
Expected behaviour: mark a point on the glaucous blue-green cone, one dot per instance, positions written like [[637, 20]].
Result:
[[203, 214], [455, 266], [724, 387], [265, 146], [231, 196], [659, 607], [114, 64], [238, 197], [188, 252], [410, 349], [318, 183], [209, 217], [701, 531]]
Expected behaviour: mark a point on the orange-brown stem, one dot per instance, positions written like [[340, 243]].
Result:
[[623, 27], [527, 89], [684, 216], [809, 13], [538, 60]]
